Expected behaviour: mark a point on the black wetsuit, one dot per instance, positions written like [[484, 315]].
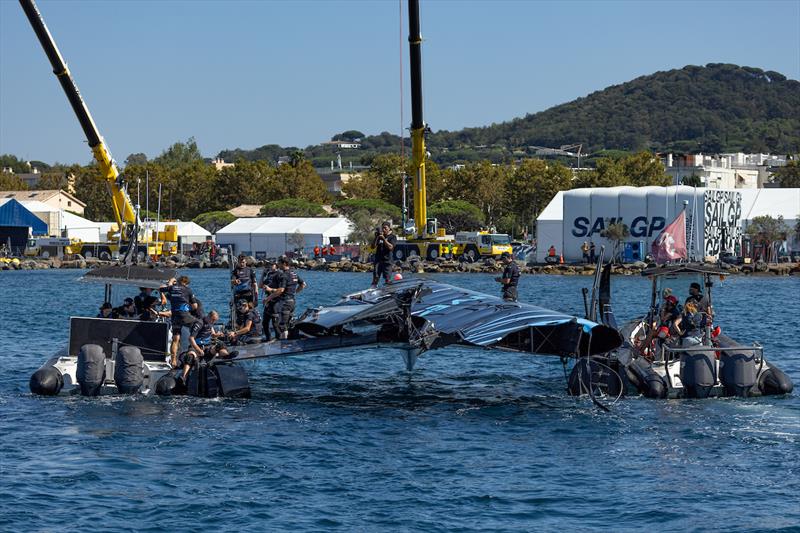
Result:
[[244, 290], [289, 281], [511, 273], [382, 264], [254, 334], [270, 317]]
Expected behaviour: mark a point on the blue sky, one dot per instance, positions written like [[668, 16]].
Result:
[[248, 73]]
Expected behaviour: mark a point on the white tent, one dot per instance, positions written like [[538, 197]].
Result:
[[274, 236], [80, 228], [549, 226]]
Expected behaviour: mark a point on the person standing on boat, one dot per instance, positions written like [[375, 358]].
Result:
[[510, 277], [592, 254], [269, 282], [287, 285], [242, 278], [181, 302], [384, 243]]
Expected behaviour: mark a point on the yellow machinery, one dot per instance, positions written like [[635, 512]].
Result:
[[125, 214], [476, 244]]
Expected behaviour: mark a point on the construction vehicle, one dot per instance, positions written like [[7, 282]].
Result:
[[474, 245], [132, 238], [50, 247]]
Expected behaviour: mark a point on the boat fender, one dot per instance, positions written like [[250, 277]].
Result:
[[698, 373], [774, 381], [128, 374], [47, 381], [91, 370], [165, 386], [648, 381], [737, 372]]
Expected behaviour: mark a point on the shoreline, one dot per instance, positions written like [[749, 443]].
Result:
[[488, 266]]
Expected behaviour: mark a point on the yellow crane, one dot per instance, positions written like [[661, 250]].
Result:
[[125, 214]]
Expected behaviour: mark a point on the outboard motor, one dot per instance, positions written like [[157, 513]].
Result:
[[91, 370], [698, 373], [128, 373], [737, 372], [46, 381], [210, 381]]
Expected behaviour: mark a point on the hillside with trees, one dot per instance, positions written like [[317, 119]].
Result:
[[716, 108]]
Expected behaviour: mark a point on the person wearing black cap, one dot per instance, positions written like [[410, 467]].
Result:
[[384, 243], [510, 278], [127, 310], [106, 311], [243, 280], [696, 295]]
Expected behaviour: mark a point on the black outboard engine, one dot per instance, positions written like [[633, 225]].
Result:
[[46, 381], [698, 373], [210, 381], [91, 369], [167, 385], [737, 372], [128, 373]]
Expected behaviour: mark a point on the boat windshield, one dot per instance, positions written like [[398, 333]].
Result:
[[501, 239], [678, 284]]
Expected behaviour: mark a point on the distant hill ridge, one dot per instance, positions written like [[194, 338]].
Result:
[[716, 108]]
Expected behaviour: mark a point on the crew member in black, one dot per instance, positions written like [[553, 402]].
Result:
[[150, 312], [269, 282], [288, 285], [384, 243], [242, 280], [144, 293], [106, 311], [182, 302], [696, 295], [510, 278], [203, 342], [248, 324], [127, 310]]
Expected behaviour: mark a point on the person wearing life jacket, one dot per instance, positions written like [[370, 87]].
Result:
[[316, 251], [247, 324], [242, 278], [181, 302], [288, 284], [203, 342]]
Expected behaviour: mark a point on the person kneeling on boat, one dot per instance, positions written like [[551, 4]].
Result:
[[215, 350], [248, 324]]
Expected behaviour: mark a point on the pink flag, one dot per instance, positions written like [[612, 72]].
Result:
[[671, 242]]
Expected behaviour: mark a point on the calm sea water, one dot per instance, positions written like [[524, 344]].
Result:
[[471, 440]]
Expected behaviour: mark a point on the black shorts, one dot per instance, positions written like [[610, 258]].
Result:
[[284, 309], [180, 319], [382, 269]]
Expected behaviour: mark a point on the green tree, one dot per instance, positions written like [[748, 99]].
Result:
[[11, 182], [361, 187], [789, 176], [692, 181], [349, 135], [180, 153], [616, 232], [645, 168], [52, 180], [18, 166], [300, 181], [767, 230], [136, 159], [379, 208], [292, 207], [456, 215], [364, 224], [531, 186], [213, 221], [482, 184]]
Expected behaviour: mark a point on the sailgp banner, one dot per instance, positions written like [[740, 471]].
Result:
[[723, 221]]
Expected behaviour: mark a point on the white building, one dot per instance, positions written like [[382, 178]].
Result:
[[274, 236], [723, 171], [60, 222], [715, 218]]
